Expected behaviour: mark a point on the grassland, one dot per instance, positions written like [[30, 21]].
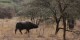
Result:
[[44, 32]]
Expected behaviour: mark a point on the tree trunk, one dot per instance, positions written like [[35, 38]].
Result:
[[57, 27], [64, 29]]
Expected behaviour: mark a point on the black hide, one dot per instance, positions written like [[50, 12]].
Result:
[[25, 25]]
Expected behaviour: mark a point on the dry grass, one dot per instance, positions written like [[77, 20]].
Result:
[[44, 32]]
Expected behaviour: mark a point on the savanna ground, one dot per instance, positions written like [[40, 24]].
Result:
[[44, 32]]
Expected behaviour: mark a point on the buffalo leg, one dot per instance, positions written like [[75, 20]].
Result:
[[27, 31], [20, 31], [15, 31]]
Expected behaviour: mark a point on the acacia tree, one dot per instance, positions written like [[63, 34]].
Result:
[[61, 9], [48, 4], [64, 6]]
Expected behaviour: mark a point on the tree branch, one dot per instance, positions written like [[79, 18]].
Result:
[[59, 5], [66, 6]]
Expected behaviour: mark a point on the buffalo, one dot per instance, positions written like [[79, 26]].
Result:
[[25, 25]]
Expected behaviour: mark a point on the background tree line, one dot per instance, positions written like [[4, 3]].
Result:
[[41, 8]]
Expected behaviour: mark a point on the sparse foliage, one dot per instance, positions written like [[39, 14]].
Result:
[[6, 12]]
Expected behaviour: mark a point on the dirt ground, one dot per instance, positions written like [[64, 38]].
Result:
[[44, 32]]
